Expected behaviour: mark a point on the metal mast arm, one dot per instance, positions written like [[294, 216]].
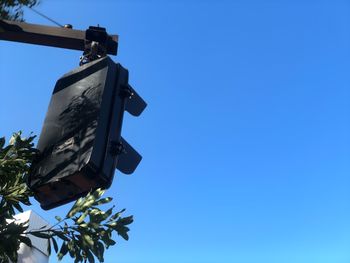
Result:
[[50, 36]]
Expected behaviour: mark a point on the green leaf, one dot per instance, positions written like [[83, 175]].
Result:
[[98, 193], [82, 217], [40, 234], [55, 246], [58, 218], [126, 220], [90, 256], [97, 216], [76, 207], [83, 203], [103, 201], [63, 251], [2, 142], [49, 247], [25, 240], [107, 240], [100, 249], [122, 231], [115, 216], [88, 240], [61, 235], [18, 207]]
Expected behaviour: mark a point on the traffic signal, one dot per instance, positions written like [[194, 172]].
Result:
[[80, 144]]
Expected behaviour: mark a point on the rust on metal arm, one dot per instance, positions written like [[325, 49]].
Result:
[[50, 36]]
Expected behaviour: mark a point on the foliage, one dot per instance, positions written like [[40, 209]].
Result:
[[84, 233], [13, 9]]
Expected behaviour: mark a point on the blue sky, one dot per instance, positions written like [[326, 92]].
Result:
[[245, 139]]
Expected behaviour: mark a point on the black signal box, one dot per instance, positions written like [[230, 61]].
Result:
[[80, 144]]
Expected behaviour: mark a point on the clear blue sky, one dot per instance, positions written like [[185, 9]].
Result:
[[246, 139]]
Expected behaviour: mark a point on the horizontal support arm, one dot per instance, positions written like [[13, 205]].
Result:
[[49, 36]]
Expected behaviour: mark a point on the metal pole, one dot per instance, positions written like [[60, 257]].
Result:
[[50, 36]]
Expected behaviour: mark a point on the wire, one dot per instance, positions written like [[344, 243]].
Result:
[[46, 17]]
